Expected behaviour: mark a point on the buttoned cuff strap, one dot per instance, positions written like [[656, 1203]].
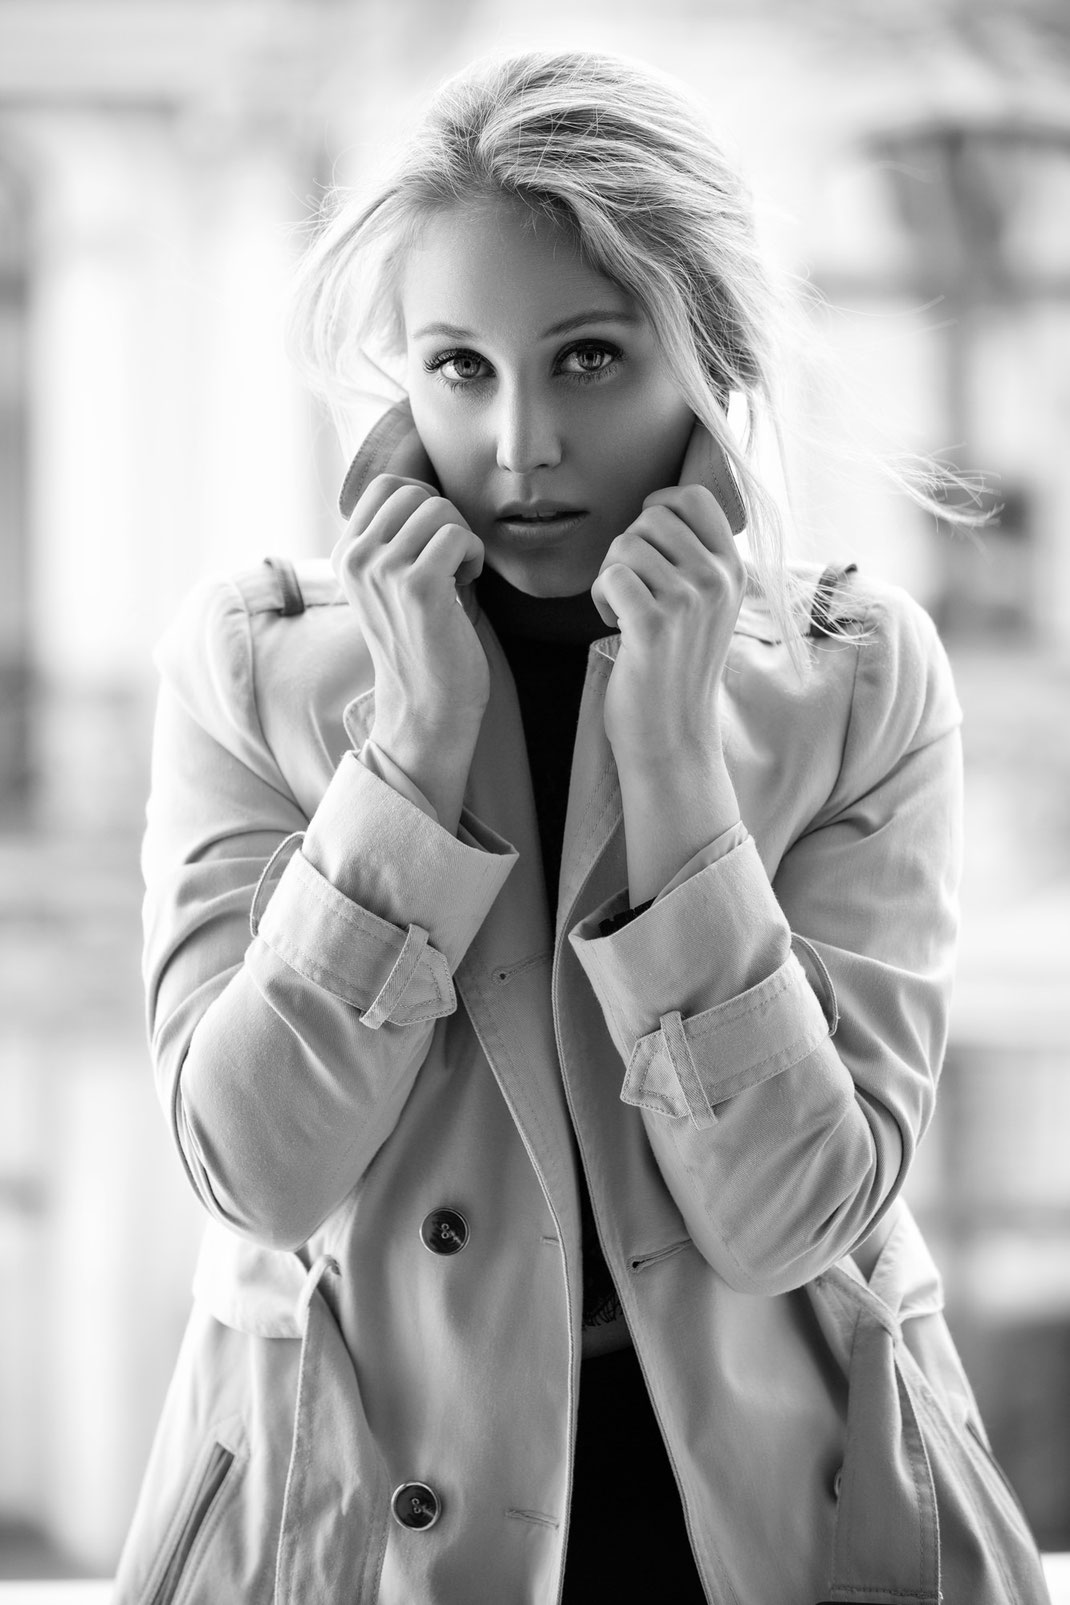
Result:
[[676, 1070], [385, 972], [396, 983]]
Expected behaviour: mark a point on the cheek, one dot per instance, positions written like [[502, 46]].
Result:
[[453, 450], [646, 458]]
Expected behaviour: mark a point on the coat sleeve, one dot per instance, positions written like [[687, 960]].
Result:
[[285, 1060], [783, 1039]]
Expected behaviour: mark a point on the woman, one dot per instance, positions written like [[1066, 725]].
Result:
[[553, 1123]]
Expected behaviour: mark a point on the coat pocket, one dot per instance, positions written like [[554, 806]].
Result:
[[204, 1498], [206, 1524], [924, 1511], [987, 1553]]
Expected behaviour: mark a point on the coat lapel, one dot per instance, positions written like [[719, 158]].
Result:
[[504, 978]]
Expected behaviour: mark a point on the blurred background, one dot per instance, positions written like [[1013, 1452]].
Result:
[[911, 159]]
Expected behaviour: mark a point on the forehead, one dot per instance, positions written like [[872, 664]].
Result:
[[498, 269]]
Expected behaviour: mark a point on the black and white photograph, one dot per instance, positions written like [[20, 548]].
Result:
[[534, 802]]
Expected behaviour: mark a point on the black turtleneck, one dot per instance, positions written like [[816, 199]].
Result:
[[546, 641]]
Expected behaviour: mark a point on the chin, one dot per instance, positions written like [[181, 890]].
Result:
[[541, 581], [544, 578]]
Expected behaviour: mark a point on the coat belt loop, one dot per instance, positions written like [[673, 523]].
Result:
[[886, 1468], [311, 1313], [254, 907], [325, 1262], [824, 988]]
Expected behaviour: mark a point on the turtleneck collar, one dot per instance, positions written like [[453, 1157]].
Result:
[[539, 618]]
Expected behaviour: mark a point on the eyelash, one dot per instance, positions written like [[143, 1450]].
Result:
[[436, 364]]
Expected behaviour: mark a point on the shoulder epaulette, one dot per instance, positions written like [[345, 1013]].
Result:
[[279, 585], [292, 598], [824, 623]]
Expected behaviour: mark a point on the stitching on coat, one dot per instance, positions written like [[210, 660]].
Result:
[[737, 1010], [686, 1070], [536, 1516], [926, 1595], [509, 972], [201, 1550], [659, 1103], [323, 974], [866, 618], [393, 989], [343, 988], [641, 1261], [253, 695], [254, 907], [494, 1035], [923, 1479], [753, 1075], [610, 804], [942, 1429]]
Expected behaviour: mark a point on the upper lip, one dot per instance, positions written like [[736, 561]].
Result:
[[541, 509]]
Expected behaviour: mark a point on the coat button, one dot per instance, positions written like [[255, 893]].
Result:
[[444, 1231], [415, 1505]]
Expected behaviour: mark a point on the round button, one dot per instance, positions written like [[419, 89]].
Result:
[[444, 1231], [415, 1505]]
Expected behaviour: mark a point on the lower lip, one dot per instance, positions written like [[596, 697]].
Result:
[[540, 531]]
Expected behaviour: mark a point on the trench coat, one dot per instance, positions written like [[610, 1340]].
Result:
[[384, 1098]]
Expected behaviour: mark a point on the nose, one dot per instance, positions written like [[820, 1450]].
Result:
[[528, 433]]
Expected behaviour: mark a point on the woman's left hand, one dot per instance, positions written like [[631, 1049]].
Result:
[[674, 581]]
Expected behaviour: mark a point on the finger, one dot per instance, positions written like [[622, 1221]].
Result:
[[700, 511], [454, 550], [425, 520], [664, 530], [652, 554], [621, 597], [381, 492], [387, 503]]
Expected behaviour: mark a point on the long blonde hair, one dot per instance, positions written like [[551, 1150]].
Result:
[[620, 158]]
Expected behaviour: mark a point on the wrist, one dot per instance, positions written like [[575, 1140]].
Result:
[[649, 755], [435, 758], [679, 771], [673, 809]]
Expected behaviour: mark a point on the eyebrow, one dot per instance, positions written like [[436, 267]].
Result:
[[597, 315]]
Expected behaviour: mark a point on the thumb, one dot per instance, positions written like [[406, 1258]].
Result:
[[601, 602], [471, 564]]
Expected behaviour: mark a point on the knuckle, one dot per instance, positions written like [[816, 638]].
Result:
[[397, 484], [712, 576], [348, 555], [418, 585], [696, 498]]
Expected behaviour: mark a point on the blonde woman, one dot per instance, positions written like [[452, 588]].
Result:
[[552, 1116]]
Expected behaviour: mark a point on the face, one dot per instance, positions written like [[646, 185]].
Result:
[[539, 391]]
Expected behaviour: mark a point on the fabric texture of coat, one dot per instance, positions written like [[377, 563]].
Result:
[[384, 1096]]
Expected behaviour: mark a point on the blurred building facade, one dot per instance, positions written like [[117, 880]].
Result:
[[157, 164]]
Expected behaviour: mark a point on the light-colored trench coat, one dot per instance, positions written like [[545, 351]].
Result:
[[745, 1071]]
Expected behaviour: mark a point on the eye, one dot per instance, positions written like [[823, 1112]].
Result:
[[590, 359], [458, 367]]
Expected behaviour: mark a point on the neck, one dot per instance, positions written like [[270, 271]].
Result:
[[539, 618]]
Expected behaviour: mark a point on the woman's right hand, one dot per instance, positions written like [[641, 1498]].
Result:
[[400, 561]]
